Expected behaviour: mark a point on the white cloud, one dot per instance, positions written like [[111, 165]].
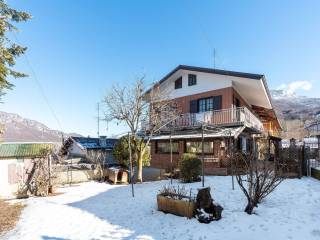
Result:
[[292, 87]]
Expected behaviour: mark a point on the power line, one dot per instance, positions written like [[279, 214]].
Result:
[[35, 78]]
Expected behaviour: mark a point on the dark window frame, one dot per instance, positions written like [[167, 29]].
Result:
[[178, 83], [192, 79], [206, 103], [199, 142], [159, 151]]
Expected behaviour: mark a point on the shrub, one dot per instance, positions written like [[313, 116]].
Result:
[[190, 167], [121, 152]]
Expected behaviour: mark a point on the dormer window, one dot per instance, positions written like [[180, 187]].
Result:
[[178, 83], [192, 79]]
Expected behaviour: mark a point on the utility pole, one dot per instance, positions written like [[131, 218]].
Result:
[[171, 174], [98, 119]]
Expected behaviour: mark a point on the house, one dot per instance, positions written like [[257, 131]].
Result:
[[83, 148], [230, 105], [15, 159]]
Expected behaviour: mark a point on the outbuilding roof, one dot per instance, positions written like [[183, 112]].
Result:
[[24, 150]]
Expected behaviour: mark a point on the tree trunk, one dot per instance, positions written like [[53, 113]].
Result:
[[140, 157], [249, 208]]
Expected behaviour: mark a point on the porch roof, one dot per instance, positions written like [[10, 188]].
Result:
[[227, 132]]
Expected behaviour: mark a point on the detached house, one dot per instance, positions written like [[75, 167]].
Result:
[[81, 147], [237, 105]]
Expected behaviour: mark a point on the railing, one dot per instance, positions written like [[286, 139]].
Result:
[[225, 117]]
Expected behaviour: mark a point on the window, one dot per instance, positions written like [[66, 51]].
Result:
[[217, 102], [205, 104], [196, 147], [164, 147], [178, 83], [192, 79]]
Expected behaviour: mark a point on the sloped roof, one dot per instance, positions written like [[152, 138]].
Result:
[[24, 150], [211, 70]]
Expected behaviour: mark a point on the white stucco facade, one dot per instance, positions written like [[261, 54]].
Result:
[[253, 91]]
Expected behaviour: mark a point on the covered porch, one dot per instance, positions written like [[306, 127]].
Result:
[[213, 146]]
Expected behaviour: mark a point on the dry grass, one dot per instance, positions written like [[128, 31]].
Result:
[[9, 215]]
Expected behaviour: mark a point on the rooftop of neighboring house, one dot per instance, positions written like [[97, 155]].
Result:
[[91, 143], [88, 143], [24, 150]]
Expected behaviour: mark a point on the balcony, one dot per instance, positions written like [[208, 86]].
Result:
[[224, 118]]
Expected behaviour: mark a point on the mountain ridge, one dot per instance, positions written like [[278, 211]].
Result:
[[16, 128]]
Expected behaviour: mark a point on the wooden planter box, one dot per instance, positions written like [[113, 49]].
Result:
[[177, 207], [315, 173]]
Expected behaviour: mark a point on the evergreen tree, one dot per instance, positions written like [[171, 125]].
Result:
[[9, 50]]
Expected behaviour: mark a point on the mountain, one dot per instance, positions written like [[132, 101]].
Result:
[[19, 129], [295, 111], [291, 106]]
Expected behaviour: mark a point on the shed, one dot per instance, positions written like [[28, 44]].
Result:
[[15, 158]]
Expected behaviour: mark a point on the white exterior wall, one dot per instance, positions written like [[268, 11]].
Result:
[[76, 150], [6, 189], [251, 90], [205, 82]]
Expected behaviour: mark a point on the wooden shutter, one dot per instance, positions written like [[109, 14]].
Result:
[[193, 106], [217, 102]]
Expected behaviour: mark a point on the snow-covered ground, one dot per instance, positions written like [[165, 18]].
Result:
[[102, 211]]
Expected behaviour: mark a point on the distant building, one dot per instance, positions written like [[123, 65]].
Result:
[[15, 160], [82, 147], [313, 128]]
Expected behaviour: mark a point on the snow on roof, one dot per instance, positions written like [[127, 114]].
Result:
[[98, 143]]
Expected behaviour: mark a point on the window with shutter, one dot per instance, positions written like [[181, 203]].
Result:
[[217, 102], [192, 79], [178, 83], [193, 106]]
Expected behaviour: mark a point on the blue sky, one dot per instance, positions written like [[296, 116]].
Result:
[[79, 48]]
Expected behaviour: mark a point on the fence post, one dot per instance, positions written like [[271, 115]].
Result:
[[301, 161]]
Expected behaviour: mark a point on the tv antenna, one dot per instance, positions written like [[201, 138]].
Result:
[[214, 58]]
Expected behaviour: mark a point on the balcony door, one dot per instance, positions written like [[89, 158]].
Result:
[[236, 103]]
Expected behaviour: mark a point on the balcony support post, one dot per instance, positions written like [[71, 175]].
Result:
[[202, 153]]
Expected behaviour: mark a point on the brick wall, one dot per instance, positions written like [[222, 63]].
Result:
[[162, 160], [226, 93]]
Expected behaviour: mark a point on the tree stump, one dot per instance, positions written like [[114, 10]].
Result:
[[206, 209]]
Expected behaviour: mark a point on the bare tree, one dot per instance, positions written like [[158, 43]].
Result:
[[144, 112], [38, 178], [256, 178]]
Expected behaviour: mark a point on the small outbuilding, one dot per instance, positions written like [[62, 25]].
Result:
[[15, 160], [84, 147]]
